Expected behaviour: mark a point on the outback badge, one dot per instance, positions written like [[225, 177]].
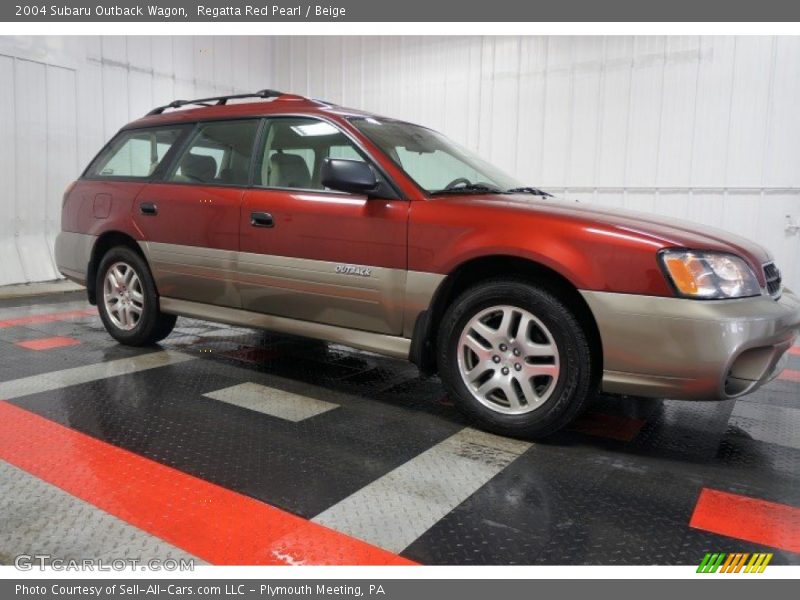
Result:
[[354, 270]]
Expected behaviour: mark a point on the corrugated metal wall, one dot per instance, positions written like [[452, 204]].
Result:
[[702, 128], [699, 128], [62, 98]]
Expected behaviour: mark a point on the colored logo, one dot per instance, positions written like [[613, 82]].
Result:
[[720, 562]]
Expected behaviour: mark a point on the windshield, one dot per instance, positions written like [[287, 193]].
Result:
[[435, 163]]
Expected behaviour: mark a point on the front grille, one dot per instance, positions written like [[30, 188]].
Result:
[[773, 277]]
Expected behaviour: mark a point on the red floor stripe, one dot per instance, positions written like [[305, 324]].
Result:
[[766, 523], [206, 520], [795, 350], [46, 318], [48, 343], [614, 427], [790, 375]]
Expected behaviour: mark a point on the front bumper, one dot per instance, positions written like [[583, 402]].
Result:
[[692, 349]]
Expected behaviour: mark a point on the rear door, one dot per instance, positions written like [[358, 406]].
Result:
[[315, 254], [191, 219]]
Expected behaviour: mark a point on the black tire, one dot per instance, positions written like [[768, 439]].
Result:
[[152, 325], [572, 387]]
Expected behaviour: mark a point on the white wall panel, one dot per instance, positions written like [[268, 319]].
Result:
[[614, 103], [240, 63], [783, 131], [138, 51], [11, 271], [584, 134], [558, 113], [352, 80], [261, 64], [162, 56], [203, 65], [644, 115], [115, 97], [183, 60], [713, 111], [677, 119], [223, 66], [532, 94], [60, 148], [89, 117], [31, 172], [700, 128], [750, 103], [333, 67], [62, 98]]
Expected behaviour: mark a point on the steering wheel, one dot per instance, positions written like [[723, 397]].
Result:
[[457, 181]]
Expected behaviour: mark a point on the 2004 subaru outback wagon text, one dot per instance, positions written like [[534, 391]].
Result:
[[296, 216]]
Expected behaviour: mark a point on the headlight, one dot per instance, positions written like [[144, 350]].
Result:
[[709, 275]]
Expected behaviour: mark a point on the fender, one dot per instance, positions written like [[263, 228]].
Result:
[[447, 232]]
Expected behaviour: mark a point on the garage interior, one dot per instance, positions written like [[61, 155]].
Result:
[[234, 446]]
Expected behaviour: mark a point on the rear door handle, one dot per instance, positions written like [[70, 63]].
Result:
[[148, 208], [261, 219]]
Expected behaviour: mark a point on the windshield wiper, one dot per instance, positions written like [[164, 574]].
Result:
[[472, 188], [529, 190]]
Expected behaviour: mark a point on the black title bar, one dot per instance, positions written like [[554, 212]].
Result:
[[402, 10]]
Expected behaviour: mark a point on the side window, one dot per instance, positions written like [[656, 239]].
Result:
[[294, 151], [347, 152], [219, 153], [135, 153]]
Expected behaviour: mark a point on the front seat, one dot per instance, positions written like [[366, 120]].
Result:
[[198, 167], [289, 171]]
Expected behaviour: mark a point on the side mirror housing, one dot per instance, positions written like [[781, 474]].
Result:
[[351, 176]]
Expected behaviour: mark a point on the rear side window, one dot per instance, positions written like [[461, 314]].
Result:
[[219, 153], [135, 153]]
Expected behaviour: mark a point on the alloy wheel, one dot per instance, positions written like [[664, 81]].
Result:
[[508, 359], [123, 296]]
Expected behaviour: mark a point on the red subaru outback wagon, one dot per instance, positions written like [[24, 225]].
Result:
[[302, 217]]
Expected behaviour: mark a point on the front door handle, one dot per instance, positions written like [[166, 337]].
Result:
[[261, 219], [148, 208]]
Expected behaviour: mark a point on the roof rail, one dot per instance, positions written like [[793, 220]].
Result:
[[216, 100]]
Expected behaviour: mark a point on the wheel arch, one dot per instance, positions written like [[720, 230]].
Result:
[[105, 242], [476, 270]]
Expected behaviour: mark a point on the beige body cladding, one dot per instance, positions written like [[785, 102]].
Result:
[[652, 346]]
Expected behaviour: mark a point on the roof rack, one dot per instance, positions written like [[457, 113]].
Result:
[[215, 100]]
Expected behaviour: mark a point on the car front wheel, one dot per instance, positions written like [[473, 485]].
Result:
[[515, 359]]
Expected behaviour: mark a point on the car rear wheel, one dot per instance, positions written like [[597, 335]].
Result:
[[515, 359], [128, 301]]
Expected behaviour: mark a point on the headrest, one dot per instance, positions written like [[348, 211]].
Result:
[[289, 170], [199, 167]]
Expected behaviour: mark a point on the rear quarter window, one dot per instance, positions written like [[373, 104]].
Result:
[[135, 153]]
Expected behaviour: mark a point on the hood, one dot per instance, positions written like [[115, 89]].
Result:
[[666, 230]]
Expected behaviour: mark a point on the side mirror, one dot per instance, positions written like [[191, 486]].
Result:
[[351, 176]]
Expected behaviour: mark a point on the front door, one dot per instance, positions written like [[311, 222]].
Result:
[[191, 220], [313, 254]]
